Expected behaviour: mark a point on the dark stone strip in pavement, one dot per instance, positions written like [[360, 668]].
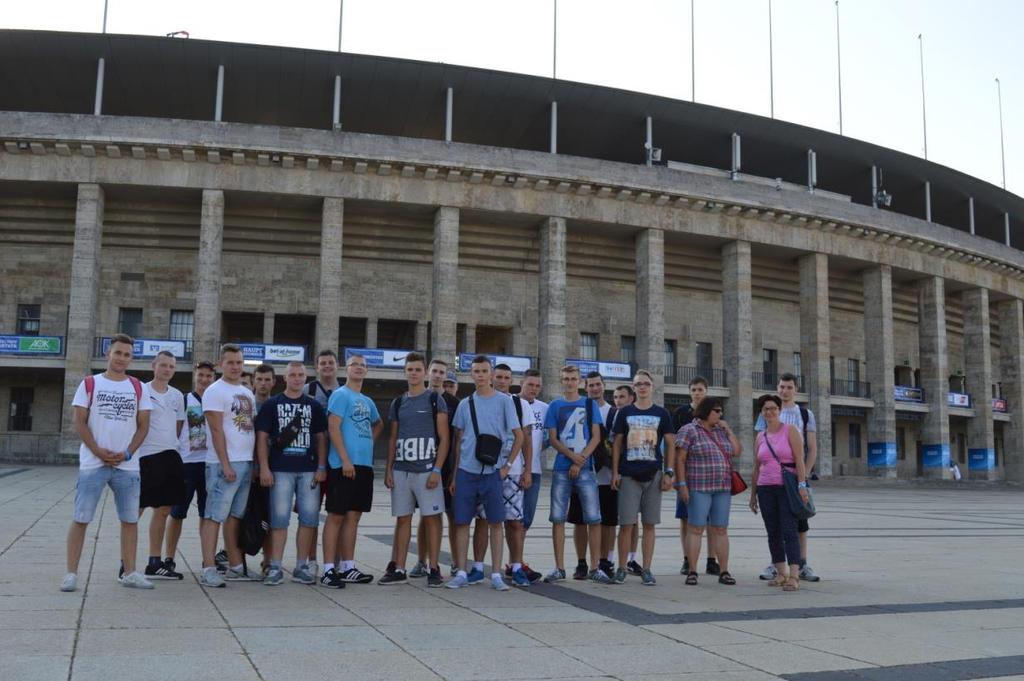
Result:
[[953, 670], [11, 471]]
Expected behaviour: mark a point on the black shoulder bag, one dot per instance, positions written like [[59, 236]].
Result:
[[488, 447], [801, 509]]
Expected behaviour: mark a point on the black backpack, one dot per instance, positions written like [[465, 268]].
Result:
[[397, 406]]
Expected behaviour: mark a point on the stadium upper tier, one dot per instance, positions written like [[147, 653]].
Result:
[[170, 78]]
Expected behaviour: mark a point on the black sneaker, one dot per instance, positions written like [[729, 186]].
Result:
[[221, 561], [634, 568], [581, 571], [354, 576], [392, 566], [532, 575], [332, 580], [396, 576], [713, 568], [685, 570], [163, 571], [434, 579], [607, 567]]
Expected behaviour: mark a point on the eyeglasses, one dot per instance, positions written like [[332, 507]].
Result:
[[717, 410], [642, 384]]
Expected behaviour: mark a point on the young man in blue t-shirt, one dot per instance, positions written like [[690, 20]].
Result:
[[353, 423], [477, 481], [574, 435], [291, 445]]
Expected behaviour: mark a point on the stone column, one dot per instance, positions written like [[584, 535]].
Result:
[[981, 430], [1011, 371], [737, 344], [329, 311], [268, 326], [80, 336], [206, 336], [371, 332], [470, 340], [650, 307], [879, 353], [421, 336], [551, 341], [931, 328], [444, 308], [815, 337]]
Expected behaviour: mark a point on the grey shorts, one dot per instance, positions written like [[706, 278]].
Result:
[[410, 491], [640, 498]]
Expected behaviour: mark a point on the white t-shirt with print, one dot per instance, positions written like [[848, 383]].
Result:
[[168, 410], [113, 418], [604, 476], [195, 438], [540, 410], [526, 421], [238, 404]]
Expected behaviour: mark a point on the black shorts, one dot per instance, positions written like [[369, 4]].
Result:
[[345, 494], [801, 525], [195, 485], [609, 499], [162, 479]]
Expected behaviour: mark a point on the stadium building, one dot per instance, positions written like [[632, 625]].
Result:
[[191, 192]]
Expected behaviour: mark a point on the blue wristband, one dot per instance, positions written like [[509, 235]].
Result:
[[435, 469], [127, 455], [802, 485]]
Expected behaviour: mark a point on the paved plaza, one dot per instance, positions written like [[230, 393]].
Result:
[[918, 583]]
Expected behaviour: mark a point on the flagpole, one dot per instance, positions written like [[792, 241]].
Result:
[[771, 63], [839, 69], [924, 112], [1002, 148]]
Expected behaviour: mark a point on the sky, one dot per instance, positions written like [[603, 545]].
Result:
[[645, 45]]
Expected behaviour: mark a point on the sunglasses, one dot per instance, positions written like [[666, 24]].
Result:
[[717, 410]]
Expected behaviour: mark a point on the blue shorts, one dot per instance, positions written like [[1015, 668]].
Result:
[[294, 490], [682, 512], [223, 497], [585, 486], [195, 484], [530, 498], [472, 489], [710, 508], [126, 485]]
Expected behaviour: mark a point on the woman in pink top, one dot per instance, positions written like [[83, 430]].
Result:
[[779, 520]]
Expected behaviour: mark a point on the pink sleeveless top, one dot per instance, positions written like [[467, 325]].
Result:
[[771, 473]]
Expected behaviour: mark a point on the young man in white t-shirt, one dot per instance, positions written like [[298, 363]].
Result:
[[111, 419], [519, 478], [229, 409], [195, 441], [160, 466], [530, 389]]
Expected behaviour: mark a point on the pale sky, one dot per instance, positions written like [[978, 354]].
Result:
[[645, 45]]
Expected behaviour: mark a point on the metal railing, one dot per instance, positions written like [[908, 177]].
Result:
[[770, 381], [682, 375], [842, 387]]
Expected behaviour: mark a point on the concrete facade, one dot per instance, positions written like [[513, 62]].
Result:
[[934, 376], [878, 351], [981, 453], [551, 333], [737, 342], [331, 271], [650, 306], [210, 275], [815, 336]]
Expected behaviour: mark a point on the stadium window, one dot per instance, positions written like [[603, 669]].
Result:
[[28, 320], [294, 329], [460, 338], [129, 321], [670, 361], [352, 332], [182, 325], [705, 363], [396, 333], [20, 418], [588, 346], [901, 444], [627, 349], [798, 369], [853, 441], [242, 327]]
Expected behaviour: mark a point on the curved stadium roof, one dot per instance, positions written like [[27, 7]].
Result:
[[161, 77]]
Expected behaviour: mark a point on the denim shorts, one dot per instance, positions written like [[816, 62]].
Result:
[[472, 489], [223, 497], [585, 486], [294, 490], [126, 486], [710, 508]]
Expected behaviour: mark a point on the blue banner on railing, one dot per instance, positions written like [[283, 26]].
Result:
[[981, 459], [881, 454], [617, 370], [31, 345], [147, 348], [517, 363], [935, 456], [376, 357], [260, 352], [904, 393], [961, 400]]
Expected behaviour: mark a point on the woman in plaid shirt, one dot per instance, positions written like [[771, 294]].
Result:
[[704, 452]]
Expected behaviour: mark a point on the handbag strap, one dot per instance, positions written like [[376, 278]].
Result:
[[472, 415], [708, 435], [772, 449]]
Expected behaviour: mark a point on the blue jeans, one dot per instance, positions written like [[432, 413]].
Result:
[[294, 489], [126, 486], [585, 486], [530, 498], [223, 497], [780, 523]]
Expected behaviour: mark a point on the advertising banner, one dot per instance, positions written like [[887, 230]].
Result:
[[903, 393], [376, 357], [148, 348], [615, 370], [881, 454], [31, 345], [516, 363]]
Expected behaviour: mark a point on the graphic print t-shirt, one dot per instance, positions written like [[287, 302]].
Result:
[[528, 421], [195, 435], [112, 418], [644, 431], [539, 435], [416, 447], [358, 414], [570, 421], [237, 403], [275, 415], [168, 409]]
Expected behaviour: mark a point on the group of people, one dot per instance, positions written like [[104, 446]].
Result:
[[476, 461]]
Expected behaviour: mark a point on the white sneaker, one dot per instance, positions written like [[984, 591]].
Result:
[[135, 580], [498, 583], [211, 578], [768, 573], [70, 582]]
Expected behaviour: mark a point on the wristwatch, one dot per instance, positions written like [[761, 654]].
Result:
[[670, 473]]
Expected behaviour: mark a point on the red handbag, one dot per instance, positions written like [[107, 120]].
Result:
[[737, 485]]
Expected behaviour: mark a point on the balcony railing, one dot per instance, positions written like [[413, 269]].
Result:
[[148, 348], [770, 381], [842, 387], [681, 375], [906, 393], [32, 346], [958, 400]]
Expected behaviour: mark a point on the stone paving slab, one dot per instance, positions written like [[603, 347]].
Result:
[[902, 597]]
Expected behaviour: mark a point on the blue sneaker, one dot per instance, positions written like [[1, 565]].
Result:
[[520, 578], [474, 576], [458, 581]]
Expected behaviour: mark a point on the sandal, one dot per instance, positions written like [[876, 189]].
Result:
[[792, 584], [777, 580], [691, 579], [726, 578]]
